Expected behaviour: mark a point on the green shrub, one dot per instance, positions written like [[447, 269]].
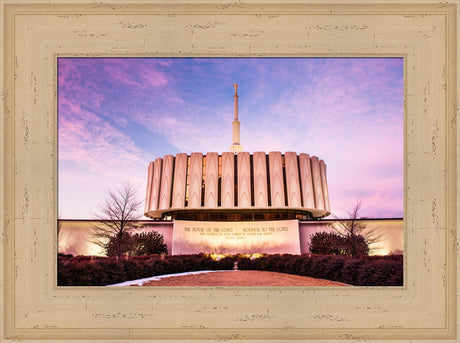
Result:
[[147, 244], [244, 263], [329, 243], [326, 243], [226, 263], [367, 271], [90, 271], [351, 270], [381, 272], [138, 244]]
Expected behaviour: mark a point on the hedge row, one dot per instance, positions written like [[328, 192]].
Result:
[[101, 271], [367, 271]]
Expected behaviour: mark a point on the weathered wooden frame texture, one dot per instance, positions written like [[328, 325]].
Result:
[[423, 33]]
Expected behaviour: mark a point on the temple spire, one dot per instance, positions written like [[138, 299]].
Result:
[[236, 147]]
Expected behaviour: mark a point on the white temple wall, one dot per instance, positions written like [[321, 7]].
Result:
[[276, 179], [317, 186], [166, 182], [156, 184], [244, 180], [322, 167], [196, 179], [180, 175], [148, 191], [259, 161], [211, 182], [292, 179], [306, 181], [228, 180], [75, 236], [241, 237]]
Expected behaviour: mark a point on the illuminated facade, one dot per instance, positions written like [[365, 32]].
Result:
[[236, 187]]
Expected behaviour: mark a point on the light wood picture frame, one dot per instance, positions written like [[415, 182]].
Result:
[[35, 34]]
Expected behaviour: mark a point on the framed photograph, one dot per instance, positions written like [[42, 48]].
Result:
[[36, 35], [316, 139]]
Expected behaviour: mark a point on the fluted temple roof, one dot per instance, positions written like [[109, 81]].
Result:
[[237, 187]]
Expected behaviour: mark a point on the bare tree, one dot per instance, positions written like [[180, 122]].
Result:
[[358, 235], [120, 208]]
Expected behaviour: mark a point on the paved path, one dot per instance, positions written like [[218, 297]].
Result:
[[240, 278]]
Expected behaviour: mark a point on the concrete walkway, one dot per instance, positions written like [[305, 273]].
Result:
[[232, 278]]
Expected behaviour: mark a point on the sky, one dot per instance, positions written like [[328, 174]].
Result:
[[115, 115]]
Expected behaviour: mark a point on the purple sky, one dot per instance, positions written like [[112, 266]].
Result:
[[117, 115]]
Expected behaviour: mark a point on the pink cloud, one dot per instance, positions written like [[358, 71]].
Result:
[[89, 141]]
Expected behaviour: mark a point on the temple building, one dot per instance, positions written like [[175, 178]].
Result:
[[242, 186], [237, 186]]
